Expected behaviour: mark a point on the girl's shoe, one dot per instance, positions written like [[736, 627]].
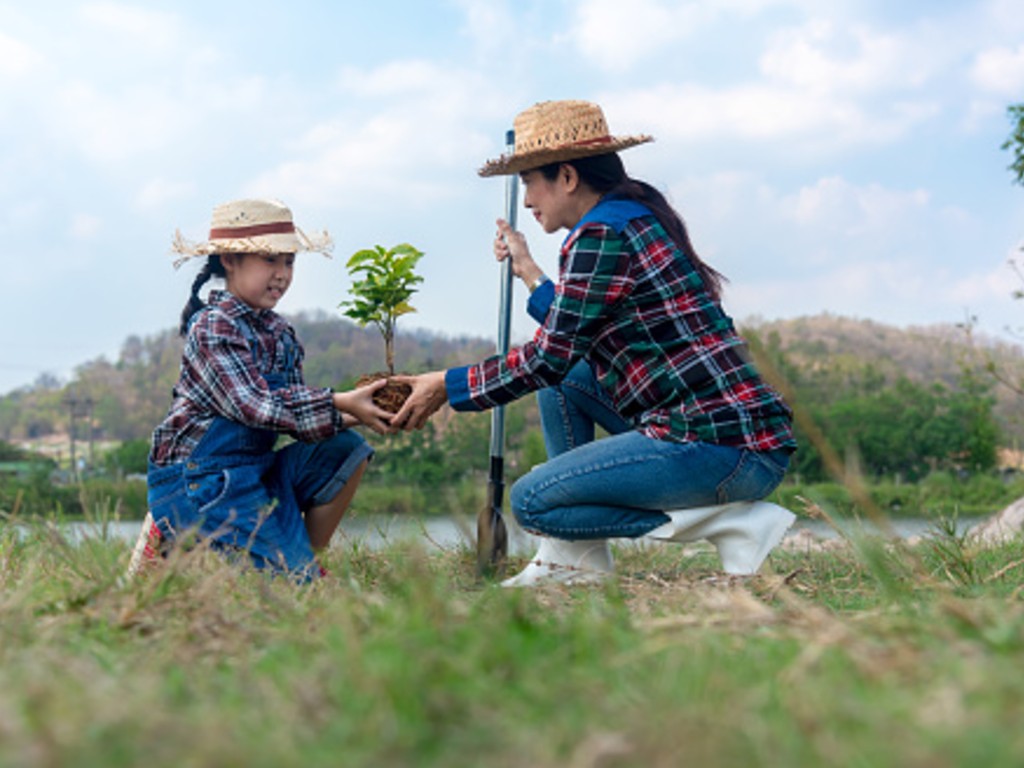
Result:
[[559, 561], [148, 547], [744, 532]]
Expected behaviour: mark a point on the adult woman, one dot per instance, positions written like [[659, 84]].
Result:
[[633, 338]]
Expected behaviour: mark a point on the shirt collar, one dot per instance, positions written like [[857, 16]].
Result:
[[234, 307], [614, 210]]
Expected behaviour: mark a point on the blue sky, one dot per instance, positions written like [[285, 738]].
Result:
[[838, 157]]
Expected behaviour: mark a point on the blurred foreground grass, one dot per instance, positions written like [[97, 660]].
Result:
[[867, 655]]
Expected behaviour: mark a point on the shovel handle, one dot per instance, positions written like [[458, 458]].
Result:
[[505, 300], [492, 537]]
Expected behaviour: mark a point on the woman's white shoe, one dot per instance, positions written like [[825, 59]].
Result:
[[559, 561], [744, 532]]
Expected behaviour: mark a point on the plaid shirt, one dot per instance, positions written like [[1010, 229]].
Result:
[[220, 377], [631, 303]]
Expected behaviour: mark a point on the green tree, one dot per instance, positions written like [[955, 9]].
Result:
[[909, 430], [978, 431], [129, 457], [10, 452], [383, 282], [1015, 142]]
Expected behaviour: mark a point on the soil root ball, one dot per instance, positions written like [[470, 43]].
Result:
[[391, 397]]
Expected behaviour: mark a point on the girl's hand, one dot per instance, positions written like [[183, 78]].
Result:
[[358, 404], [511, 244], [428, 394]]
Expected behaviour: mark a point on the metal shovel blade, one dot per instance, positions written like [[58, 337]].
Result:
[[491, 541]]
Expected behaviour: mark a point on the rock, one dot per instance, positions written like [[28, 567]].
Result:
[[806, 542], [1001, 527]]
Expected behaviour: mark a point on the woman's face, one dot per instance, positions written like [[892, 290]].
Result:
[[259, 279], [550, 200]]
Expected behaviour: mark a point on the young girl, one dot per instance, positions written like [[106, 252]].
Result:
[[213, 468], [633, 338]]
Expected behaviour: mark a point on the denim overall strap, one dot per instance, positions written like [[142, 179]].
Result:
[[226, 438]]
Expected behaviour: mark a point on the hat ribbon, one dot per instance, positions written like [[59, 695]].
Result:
[[274, 228]]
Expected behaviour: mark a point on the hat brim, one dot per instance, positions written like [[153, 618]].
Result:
[[526, 161], [291, 242]]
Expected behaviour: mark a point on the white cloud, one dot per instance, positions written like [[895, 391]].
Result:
[[124, 82], [864, 250], [396, 78], [761, 112], [85, 226], [978, 289], [894, 292], [847, 209], [406, 124], [350, 160], [980, 112], [158, 192], [1000, 70], [823, 57], [615, 35], [1003, 16], [110, 125], [145, 29], [754, 7], [25, 212], [116, 126], [16, 58], [490, 24]]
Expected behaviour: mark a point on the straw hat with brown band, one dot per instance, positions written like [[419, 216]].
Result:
[[251, 226], [554, 131]]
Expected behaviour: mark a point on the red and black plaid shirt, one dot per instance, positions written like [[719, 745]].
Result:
[[631, 302], [220, 376]]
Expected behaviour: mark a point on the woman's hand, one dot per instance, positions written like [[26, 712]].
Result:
[[428, 394], [358, 404], [511, 244]]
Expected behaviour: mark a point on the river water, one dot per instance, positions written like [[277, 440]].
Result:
[[450, 532]]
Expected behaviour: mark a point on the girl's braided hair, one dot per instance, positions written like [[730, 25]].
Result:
[[212, 268]]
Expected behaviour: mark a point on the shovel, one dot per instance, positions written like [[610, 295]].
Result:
[[491, 534]]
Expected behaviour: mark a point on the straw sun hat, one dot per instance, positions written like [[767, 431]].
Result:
[[251, 226], [555, 131]]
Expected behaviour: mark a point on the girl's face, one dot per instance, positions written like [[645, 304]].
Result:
[[550, 200], [259, 279]]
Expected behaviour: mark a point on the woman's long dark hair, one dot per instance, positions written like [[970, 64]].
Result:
[[212, 268], [605, 174]]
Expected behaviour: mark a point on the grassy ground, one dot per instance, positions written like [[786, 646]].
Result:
[[869, 655]]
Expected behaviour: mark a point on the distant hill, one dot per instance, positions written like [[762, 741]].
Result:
[[921, 353], [830, 349], [822, 353], [129, 396]]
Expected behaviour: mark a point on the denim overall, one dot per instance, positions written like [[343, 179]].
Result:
[[240, 495]]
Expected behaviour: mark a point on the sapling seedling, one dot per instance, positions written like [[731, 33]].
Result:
[[383, 281]]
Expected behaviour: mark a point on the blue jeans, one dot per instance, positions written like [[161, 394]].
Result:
[[619, 486]]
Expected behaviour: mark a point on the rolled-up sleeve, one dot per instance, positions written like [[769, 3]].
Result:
[[539, 303]]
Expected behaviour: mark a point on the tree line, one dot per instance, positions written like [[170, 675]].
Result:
[[901, 420]]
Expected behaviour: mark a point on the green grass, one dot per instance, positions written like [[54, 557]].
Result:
[[941, 494], [867, 655]]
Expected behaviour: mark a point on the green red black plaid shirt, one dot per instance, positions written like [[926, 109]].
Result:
[[632, 304]]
